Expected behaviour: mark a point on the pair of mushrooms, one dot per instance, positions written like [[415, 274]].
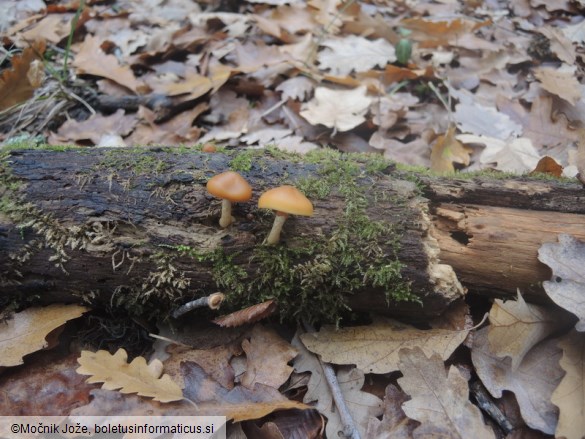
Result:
[[231, 187]]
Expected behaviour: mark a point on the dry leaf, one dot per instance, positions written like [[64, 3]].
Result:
[[517, 326], [215, 362], [374, 348], [516, 156], [46, 386], [548, 165], [569, 396], [362, 405], [318, 393], [26, 331], [440, 33], [246, 316], [560, 45], [439, 399], [540, 125], [533, 382], [560, 81], [353, 53], [394, 423], [567, 289], [135, 377], [446, 151], [238, 404], [267, 355], [95, 127], [481, 120], [93, 61], [339, 109], [297, 88], [15, 83]]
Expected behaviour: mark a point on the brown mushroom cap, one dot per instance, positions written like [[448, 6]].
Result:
[[287, 199], [230, 186]]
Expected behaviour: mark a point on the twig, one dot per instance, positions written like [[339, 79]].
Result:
[[213, 301], [487, 405], [349, 428]]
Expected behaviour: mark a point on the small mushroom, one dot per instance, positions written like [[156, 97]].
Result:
[[284, 200], [230, 187]]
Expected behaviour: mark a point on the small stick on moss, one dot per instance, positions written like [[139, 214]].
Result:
[[213, 301], [349, 428]]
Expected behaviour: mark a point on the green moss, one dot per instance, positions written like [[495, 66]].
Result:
[[242, 161], [314, 188], [137, 160], [28, 144]]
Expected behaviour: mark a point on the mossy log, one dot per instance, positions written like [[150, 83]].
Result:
[[136, 228]]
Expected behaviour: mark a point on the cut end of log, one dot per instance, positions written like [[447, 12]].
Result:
[[442, 276]]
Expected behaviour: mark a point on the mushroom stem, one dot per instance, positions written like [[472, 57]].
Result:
[[226, 213], [274, 236]]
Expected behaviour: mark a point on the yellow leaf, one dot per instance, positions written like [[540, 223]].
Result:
[[447, 150], [374, 348], [26, 331], [136, 377]]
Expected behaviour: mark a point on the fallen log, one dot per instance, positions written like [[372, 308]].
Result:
[[135, 228]]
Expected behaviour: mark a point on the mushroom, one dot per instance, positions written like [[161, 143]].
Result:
[[284, 200], [230, 187]]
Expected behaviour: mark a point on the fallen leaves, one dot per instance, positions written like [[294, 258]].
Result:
[[135, 377], [375, 348], [439, 398], [567, 289], [338, 109], [93, 61], [26, 331], [448, 150], [569, 396], [353, 53], [18, 83], [533, 382], [560, 81], [517, 326]]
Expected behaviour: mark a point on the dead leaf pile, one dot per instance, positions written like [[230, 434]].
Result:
[[302, 75]]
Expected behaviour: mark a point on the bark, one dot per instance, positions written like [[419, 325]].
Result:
[[107, 226]]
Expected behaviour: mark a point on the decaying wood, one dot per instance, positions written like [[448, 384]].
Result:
[[490, 231], [95, 224]]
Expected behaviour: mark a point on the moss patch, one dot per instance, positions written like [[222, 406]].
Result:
[[312, 278]]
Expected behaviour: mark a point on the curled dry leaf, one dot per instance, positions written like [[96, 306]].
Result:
[[26, 331], [567, 289], [135, 377], [374, 348], [448, 150], [517, 326], [252, 314], [440, 398], [548, 165], [569, 396]]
